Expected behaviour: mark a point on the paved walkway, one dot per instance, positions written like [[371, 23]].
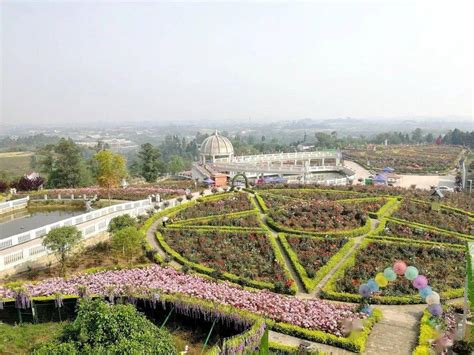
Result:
[[397, 332]]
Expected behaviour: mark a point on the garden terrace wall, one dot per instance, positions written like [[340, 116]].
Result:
[[330, 291], [308, 282]]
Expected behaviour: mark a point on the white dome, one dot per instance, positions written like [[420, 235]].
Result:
[[216, 145]]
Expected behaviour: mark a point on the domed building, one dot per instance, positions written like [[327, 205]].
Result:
[[216, 147]]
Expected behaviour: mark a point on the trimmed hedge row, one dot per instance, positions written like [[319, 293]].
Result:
[[390, 207], [220, 228], [427, 332], [208, 218], [329, 290], [209, 271], [470, 281], [281, 261], [355, 342], [429, 227], [447, 207], [377, 233], [349, 233], [310, 283]]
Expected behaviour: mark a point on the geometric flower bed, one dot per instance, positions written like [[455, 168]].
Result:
[[314, 253], [249, 220], [246, 254], [444, 267], [408, 158], [228, 204], [400, 230], [311, 194], [443, 219], [319, 216], [310, 314]]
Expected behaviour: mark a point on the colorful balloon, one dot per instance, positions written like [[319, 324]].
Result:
[[411, 272], [420, 282], [433, 298], [389, 274], [373, 286], [364, 290], [425, 292], [381, 280], [435, 310], [399, 267]]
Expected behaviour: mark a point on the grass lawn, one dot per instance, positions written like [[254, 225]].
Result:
[[21, 339], [15, 164]]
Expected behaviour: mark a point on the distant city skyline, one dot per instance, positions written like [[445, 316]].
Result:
[[79, 62]]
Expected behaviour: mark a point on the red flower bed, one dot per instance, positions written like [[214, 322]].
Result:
[[314, 253], [241, 221], [233, 203], [445, 268], [323, 216], [248, 255], [444, 219], [393, 229]]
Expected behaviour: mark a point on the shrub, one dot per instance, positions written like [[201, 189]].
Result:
[[121, 222], [128, 242], [101, 328]]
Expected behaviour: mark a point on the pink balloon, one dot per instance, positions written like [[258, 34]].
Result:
[[420, 282], [399, 267]]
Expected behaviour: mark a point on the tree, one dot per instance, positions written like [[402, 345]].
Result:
[[417, 136], [150, 165], [61, 241], [102, 328], [176, 164], [121, 222], [110, 169], [127, 241]]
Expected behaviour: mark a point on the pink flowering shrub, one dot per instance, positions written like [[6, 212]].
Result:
[[311, 314]]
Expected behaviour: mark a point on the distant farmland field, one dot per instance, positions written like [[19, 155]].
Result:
[[14, 164]]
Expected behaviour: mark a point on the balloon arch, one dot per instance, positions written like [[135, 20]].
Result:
[[390, 274]]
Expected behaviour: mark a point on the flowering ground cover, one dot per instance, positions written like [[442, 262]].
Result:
[[227, 204], [444, 267], [324, 216], [246, 221], [310, 314], [313, 253], [443, 219], [314, 194], [408, 159], [401, 230], [247, 254]]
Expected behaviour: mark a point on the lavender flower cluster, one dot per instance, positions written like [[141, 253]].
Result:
[[311, 314]]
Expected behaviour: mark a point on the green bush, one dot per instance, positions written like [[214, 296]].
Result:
[[121, 222], [101, 328]]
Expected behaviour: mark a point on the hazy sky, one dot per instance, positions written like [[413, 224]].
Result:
[[96, 61]]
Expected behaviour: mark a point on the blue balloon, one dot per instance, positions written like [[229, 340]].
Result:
[[367, 310], [425, 292], [373, 286], [364, 290]]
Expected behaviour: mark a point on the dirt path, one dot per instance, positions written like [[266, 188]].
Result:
[[151, 239]]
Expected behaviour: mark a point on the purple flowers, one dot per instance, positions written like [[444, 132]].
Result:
[[312, 314]]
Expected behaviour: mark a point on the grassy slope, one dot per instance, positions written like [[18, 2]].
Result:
[[15, 164]]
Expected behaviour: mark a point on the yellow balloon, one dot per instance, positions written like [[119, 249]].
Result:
[[381, 280]]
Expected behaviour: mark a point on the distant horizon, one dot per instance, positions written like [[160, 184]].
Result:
[[87, 62]]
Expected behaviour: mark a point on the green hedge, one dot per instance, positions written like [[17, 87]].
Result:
[[446, 207], [349, 233], [427, 332], [329, 290], [261, 203], [470, 281], [355, 342], [220, 228], [280, 259], [208, 218], [209, 271], [430, 227], [310, 283]]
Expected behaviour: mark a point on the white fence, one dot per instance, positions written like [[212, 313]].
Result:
[[13, 205], [89, 224]]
